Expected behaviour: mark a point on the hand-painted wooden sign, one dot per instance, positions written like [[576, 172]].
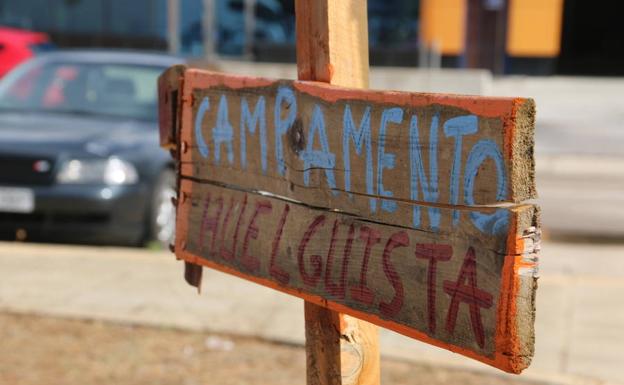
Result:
[[383, 205]]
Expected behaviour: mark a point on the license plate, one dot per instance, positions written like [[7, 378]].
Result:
[[16, 200]]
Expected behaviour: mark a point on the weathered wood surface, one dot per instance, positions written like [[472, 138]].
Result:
[[424, 257], [357, 150], [460, 289], [332, 42], [332, 47]]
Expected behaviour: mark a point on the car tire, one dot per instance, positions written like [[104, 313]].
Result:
[[161, 226]]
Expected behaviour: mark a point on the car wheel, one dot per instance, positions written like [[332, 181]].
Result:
[[163, 213]]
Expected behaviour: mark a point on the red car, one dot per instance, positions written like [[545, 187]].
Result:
[[18, 45]]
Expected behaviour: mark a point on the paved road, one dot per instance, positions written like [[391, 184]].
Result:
[[579, 320]]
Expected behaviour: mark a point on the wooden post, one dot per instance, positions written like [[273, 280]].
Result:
[[332, 47]]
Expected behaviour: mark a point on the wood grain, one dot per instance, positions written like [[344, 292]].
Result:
[[332, 42], [332, 47], [169, 103], [470, 294], [494, 239], [383, 274]]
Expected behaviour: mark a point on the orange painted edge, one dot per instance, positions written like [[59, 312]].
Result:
[[507, 337], [509, 127], [506, 333], [207, 79], [490, 107]]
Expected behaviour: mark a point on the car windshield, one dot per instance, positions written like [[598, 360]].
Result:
[[117, 90]]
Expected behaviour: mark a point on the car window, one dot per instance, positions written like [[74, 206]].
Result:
[[126, 91]]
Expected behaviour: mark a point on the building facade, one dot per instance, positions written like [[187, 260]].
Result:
[[506, 36]]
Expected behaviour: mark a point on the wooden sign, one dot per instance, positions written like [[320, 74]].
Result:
[[402, 209]]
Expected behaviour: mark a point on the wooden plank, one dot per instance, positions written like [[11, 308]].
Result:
[[323, 347], [332, 47], [457, 288], [466, 272], [169, 103], [446, 150]]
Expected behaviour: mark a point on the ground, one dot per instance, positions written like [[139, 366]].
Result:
[[46, 350]]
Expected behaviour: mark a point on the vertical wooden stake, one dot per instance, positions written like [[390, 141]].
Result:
[[332, 47]]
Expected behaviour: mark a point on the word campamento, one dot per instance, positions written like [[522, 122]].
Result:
[[271, 128]]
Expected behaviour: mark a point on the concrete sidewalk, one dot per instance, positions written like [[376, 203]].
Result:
[[579, 320]]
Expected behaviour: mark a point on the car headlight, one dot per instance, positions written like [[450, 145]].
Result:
[[111, 171]]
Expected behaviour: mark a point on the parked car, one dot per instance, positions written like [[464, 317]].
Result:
[[79, 154], [19, 45]]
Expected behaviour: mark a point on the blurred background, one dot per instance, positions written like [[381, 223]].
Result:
[[549, 37], [88, 293]]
